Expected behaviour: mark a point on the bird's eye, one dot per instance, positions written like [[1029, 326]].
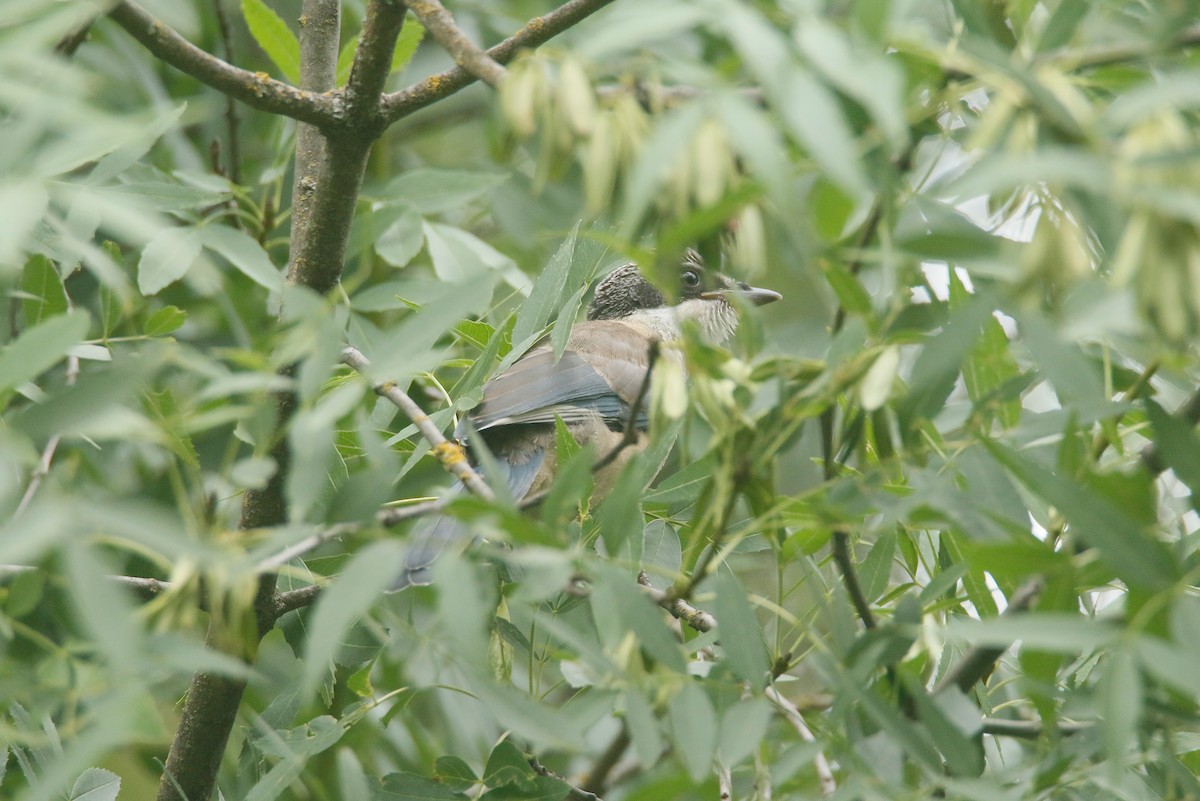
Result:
[[690, 279]]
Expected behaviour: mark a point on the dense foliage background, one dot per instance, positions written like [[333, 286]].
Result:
[[929, 522]]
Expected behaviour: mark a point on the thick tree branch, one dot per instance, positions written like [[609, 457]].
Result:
[[536, 32], [450, 454], [212, 702], [255, 89], [466, 54], [373, 61], [980, 660]]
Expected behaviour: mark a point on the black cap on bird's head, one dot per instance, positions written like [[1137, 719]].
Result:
[[625, 291]]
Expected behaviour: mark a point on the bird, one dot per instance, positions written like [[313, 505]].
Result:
[[593, 387]]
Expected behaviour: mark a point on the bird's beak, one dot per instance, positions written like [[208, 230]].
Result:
[[751, 294]]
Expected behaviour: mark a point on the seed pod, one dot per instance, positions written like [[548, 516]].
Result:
[[630, 128], [600, 164], [876, 385], [518, 97], [576, 97], [750, 241], [711, 164]]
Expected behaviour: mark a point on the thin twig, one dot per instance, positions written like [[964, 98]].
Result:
[[384, 517], [597, 780], [572, 791], [466, 54], [231, 118], [43, 468], [1029, 729], [724, 782], [840, 548], [536, 32], [792, 713], [450, 454], [281, 558], [255, 89], [680, 609], [67, 45], [979, 660]]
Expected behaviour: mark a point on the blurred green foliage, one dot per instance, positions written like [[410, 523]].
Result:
[[982, 217]]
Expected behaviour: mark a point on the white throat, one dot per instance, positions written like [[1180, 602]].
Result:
[[717, 319]]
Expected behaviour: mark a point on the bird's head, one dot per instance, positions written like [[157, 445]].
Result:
[[704, 296]]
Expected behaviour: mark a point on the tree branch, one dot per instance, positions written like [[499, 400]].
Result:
[[450, 454], [373, 60], [792, 713], [979, 660], [597, 780], [466, 54], [212, 702], [255, 89], [536, 32], [1029, 729], [840, 549], [680, 609]]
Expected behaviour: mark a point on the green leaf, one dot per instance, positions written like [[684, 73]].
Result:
[[876, 569], [96, 784], [167, 257], [1062, 24], [849, 290], [743, 727], [411, 787], [662, 553], [403, 239], [740, 633], [931, 229], [453, 772], [1132, 552], [815, 120], [1049, 631], [644, 729], [406, 43], [40, 348], [360, 586], [406, 47], [164, 321], [542, 788], [865, 75], [1121, 706], [548, 289], [507, 764], [294, 748], [243, 252], [693, 729], [944, 717], [274, 37], [44, 287], [1177, 445], [433, 191]]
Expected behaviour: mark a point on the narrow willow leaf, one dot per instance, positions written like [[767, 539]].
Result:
[[274, 37], [243, 252], [740, 633], [167, 257], [46, 295], [40, 347], [694, 729]]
